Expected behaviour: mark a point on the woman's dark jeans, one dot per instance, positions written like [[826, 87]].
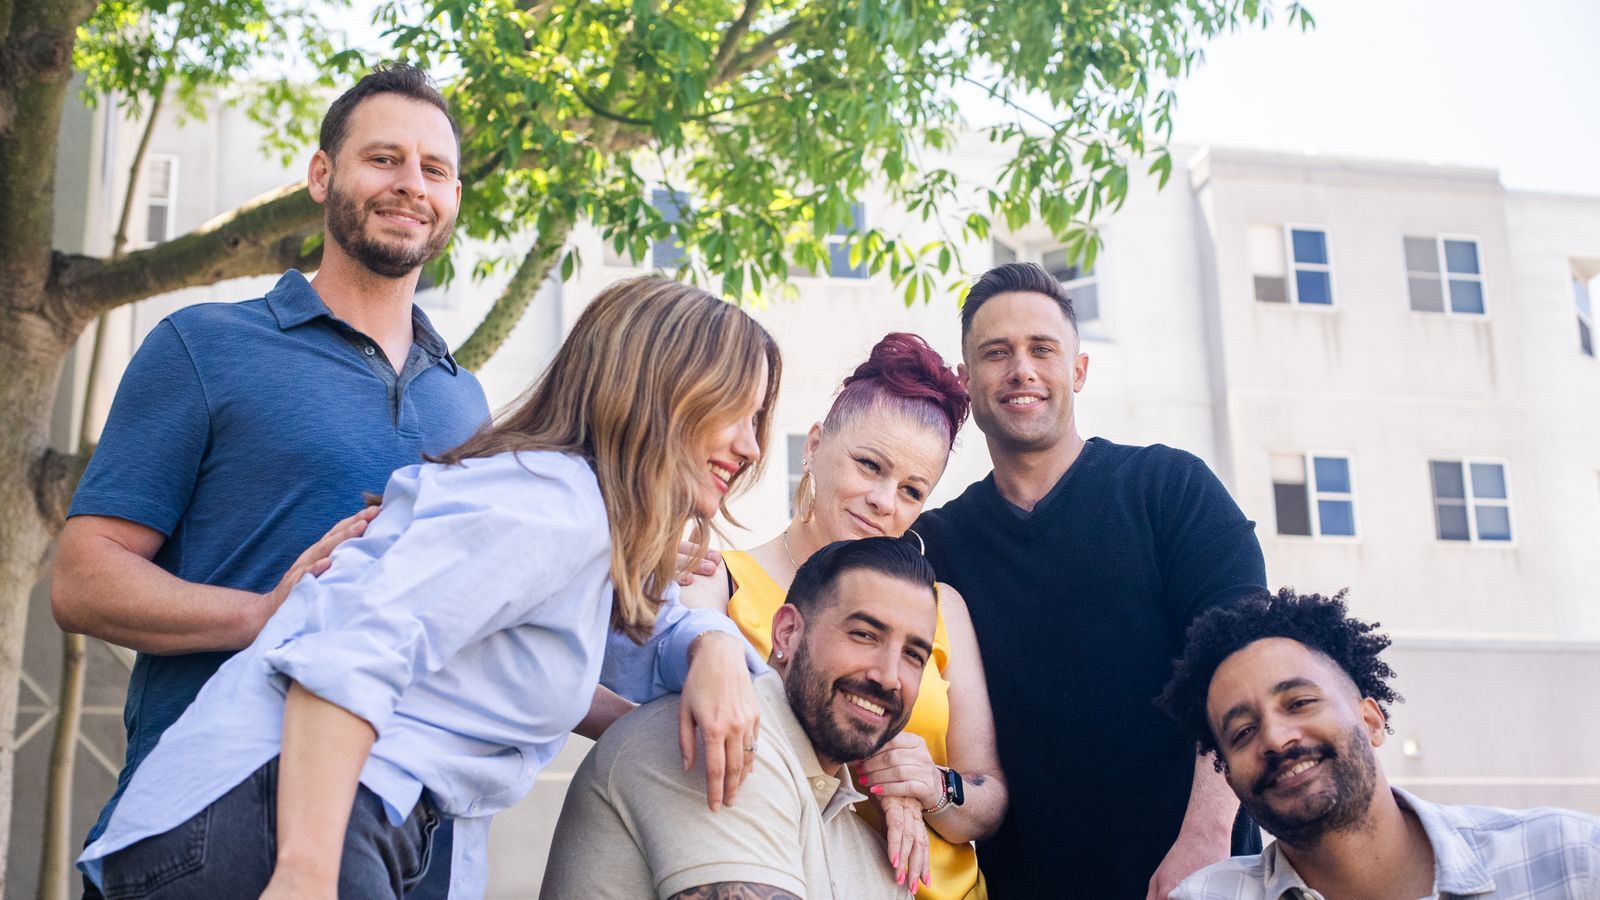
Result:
[[228, 850]]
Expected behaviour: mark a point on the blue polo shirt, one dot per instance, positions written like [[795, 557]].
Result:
[[242, 432]]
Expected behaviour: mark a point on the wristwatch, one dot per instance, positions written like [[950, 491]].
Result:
[[951, 790]]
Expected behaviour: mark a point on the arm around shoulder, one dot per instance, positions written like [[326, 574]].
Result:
[[971, 742]]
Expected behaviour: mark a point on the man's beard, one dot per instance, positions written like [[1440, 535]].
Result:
[[810, 695], [1343, 801], [389, 258]]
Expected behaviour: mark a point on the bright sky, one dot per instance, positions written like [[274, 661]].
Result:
[[1511, 86]]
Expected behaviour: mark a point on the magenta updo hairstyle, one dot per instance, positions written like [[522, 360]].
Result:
[[904, 374]]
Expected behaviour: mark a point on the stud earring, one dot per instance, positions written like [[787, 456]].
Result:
[[778, 654]]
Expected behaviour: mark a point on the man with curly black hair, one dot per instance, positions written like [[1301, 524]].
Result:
[[1291, 696]]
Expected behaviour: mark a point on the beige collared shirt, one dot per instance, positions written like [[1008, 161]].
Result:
[[636, 825]]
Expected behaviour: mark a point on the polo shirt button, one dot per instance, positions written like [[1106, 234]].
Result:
[[369, 350], [820, 784]]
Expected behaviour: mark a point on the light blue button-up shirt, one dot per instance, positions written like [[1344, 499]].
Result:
[[467, 625], [1478, 851]]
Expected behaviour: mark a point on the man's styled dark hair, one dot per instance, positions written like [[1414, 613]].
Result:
[[814, 585], [1321, 624], [387, 78], [1016, 277]]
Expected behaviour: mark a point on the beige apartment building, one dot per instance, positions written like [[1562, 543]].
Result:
[[1391, 365]]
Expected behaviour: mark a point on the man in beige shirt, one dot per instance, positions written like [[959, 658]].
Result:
[[849, 647]]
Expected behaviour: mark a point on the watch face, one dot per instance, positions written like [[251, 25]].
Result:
[[954, 787]]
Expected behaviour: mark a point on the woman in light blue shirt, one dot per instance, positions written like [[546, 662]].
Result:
[[446, 653]]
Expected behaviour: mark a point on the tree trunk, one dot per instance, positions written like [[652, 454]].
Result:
[[30, 366], [55, 864]]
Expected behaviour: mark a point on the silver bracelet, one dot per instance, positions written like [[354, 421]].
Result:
[[944, 796]]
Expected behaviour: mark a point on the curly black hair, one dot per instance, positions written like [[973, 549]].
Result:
[[1320, 623]]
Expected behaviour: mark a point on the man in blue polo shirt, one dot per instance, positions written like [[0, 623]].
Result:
[[242, 431]]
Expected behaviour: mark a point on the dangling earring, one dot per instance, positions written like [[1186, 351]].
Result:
[[805, 495]]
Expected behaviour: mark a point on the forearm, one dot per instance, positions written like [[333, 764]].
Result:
[[324, 748], [689, 637], [605, 709], [1212, 805], [103, 590], [979, 814]]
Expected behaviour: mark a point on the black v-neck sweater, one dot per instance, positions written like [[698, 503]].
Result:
[[1080, 608]]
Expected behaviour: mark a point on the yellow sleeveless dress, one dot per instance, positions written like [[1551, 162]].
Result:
[[755, 598]]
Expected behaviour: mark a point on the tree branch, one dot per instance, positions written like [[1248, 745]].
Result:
[[513, 301], [762, 53], [56, 477], [735, 34], [263, 237]]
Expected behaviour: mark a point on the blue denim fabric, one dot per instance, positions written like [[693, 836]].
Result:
[[228, 848]]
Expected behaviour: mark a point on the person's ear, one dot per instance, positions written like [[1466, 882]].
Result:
[[788, 627], [1372, 719], [318, 173], [963, 378], [813, 441]]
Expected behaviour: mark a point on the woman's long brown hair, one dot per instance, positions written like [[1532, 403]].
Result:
[[650, 369]]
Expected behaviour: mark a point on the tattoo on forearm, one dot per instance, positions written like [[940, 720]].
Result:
[[734, 890], [976, 779]]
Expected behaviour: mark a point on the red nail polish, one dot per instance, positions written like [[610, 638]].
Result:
[[895, 860], [900, 879], [877, 789], [863, 779]]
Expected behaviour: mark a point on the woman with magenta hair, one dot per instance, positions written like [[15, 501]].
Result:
[[869, 466]]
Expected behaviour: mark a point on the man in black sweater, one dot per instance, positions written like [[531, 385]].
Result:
[[1082, 563]]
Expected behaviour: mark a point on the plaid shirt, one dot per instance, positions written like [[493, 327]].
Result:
[[1478, 851]]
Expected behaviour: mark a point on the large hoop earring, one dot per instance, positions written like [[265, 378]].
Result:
[[805, 496], [922, 547]]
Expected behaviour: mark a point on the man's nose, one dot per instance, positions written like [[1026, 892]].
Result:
[[1279, 734], [885, 672], [409, 179]]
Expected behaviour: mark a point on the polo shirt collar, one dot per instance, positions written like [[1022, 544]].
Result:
[[429, 339], [832, 794], [294, 302], [1457, 870]]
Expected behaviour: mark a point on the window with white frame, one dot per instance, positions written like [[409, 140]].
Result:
[[1313, 495], [797, 456], [668, 253], [1081, 285], [1584, 298], [1291, 264], [1443, 274], [1470, 500], [160, 196]]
